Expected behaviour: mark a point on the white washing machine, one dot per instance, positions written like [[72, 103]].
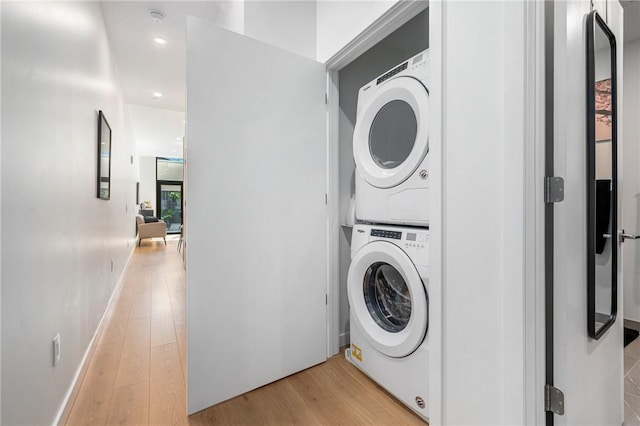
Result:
[[390, 146], [389, 310]]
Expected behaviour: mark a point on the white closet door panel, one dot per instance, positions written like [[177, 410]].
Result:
[[256, 278]]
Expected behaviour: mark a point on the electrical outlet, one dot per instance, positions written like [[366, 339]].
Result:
[[112, 262], [56, 349]]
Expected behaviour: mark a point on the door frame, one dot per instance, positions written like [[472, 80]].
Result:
[[159, 184]]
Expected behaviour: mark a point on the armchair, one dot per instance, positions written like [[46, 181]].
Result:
[[151, 230]]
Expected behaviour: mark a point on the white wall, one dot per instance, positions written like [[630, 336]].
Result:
[[290, 25], [339, 22], [148, 180], [231, 15], [58, 239], [631, 183]]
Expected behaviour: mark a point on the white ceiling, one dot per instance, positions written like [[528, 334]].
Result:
[[158, 131], [146, 67]]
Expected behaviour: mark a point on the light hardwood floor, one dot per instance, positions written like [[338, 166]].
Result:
[[136, 372]]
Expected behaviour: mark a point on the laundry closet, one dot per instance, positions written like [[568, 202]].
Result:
[[401, 45], [382, 192]]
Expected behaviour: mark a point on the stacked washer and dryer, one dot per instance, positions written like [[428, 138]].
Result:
[[389, 272]]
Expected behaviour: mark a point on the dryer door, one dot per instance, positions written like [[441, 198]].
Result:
[[388, 298], [391, 135]]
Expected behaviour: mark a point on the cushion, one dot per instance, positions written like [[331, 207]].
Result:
[[150, 219]]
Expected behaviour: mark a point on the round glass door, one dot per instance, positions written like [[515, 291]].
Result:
[[393, 134], [387, 297]]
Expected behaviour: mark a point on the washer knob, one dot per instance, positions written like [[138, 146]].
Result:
[[424, 174]]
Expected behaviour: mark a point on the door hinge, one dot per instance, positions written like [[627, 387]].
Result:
[[326, 299], [553, 189], [326, 98], [326, 198], [553, 400]]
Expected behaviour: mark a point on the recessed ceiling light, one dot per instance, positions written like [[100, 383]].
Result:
[[160, 40], [178, 139], [175, 150], [156, 95]]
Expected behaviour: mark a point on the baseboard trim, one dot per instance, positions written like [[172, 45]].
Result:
[[345, 339], [67, 403]]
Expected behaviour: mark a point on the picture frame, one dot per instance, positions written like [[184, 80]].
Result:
[[104, 158]]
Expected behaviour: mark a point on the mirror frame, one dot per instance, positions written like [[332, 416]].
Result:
[[103, 127], [593, 20]]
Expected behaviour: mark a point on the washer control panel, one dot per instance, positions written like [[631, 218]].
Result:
[[413, 241], [384, 233], [406, 239]]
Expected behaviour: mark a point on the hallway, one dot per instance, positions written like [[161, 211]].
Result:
[[136, 374]]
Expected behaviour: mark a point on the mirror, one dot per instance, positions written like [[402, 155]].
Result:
[[104, 157], [602, 203]]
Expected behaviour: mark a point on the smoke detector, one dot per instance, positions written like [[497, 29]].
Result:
[[156, 16]]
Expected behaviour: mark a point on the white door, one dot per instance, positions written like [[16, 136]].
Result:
[[588, 342], [257, 219]]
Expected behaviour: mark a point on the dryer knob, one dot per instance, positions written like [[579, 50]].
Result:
[[424, 174]]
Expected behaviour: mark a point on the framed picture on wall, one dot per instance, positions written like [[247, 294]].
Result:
[[104, 157]]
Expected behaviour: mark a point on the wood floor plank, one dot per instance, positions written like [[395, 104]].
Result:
[[162, 327], [351, 393], [181, 335], [137, 338], [130, 405], [168, 392], [117, 328], [91, 406], [133, 370], [141, 305], [177, 299], [275, 404]]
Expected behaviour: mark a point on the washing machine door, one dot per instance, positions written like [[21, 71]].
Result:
[[388, 299], [391, 135]]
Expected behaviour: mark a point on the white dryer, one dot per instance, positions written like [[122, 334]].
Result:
[[389, 310], [390, 146]]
